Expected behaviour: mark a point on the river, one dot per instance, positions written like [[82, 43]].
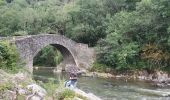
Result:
[[112, 89]]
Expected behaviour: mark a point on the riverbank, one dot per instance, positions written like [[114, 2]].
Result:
[[21, 86], [157, 78]]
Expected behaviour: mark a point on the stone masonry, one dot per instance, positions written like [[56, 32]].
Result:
[[73, 53]]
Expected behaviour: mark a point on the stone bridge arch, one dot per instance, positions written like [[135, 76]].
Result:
[[73, 53]]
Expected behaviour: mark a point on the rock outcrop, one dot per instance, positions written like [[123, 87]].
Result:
[[12, 86]]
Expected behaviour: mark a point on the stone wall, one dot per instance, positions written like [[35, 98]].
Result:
[[73, 53]]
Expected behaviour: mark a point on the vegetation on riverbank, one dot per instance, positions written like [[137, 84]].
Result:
[[57, 91], [128, 34], [15, 80], [20, 86], [9, 57]]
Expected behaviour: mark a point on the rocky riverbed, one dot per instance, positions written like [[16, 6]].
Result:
[[157, 78]]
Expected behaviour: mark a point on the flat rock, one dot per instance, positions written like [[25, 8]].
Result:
[[89, 96]]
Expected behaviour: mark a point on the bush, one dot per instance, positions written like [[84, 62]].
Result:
[[4, 87], [66, 93], [98, 67], [50, 86], [8, 56], [20, 33], [119, 57], [62, 92], [57, 91]]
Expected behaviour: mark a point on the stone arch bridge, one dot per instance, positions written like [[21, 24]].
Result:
[[73, 53]]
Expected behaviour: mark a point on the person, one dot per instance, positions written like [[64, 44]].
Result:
[[72, 81]]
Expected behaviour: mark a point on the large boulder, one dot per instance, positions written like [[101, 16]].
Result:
[[38, 93]]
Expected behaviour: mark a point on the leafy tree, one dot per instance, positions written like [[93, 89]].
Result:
[[8, 21], [8, 56], [130, 33], [88, 20]]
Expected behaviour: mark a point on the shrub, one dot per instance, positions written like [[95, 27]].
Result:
[[5, 86], [98, 67], [57, 91], [8, 56], [66, 93], [50, 86], [155, 56], [20, 33]]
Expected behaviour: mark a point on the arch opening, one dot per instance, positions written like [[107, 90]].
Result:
[[51, 51], [48, 56]]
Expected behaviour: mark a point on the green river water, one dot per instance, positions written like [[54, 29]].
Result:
[[111, 89]]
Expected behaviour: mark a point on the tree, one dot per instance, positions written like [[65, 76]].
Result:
[[138, 37]]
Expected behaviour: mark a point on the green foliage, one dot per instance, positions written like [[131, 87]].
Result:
[[87, 24], [2, 3], [4, 87], [121, 29], [32, 17], [57, 90], [9, 56], [130, 31], [49, 56], [155, 56], [119, 56], [20, 33], [8, 21], [88, 20], [97, 67], [66, 93], [81, 20], [51, 87]]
